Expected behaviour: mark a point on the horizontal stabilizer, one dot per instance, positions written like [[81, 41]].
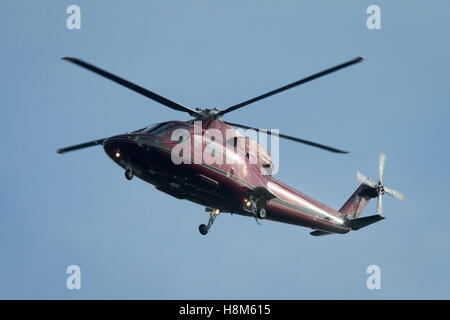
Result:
[[359, 223], [319, 233]]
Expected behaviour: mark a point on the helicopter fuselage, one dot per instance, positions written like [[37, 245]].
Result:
[[227, 186]]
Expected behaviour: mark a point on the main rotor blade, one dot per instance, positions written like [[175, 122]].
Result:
[[395, 194], [149, 94], [291, 85], [364, 180], [81, 146], [310, 143], [381, 167]]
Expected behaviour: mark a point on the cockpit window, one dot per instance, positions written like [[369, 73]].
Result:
[[139, 130], [147, 129], [159, 130]]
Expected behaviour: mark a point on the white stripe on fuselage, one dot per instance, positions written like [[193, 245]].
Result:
[[302, 202]]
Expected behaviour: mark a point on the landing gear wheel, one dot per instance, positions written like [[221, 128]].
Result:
[[203, 229], [262, 213], [129, 174]]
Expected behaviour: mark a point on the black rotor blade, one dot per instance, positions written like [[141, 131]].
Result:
[[149, 94], [81, 146], [310, 143], [291, 85]]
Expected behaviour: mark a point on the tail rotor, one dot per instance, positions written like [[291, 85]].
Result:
[[379, 186]]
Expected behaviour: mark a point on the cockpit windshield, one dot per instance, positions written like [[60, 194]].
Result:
[[157, 129]]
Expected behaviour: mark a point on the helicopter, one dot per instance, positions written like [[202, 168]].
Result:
[[161, 156]]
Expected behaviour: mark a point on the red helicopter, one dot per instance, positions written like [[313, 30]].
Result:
[[160, 155]]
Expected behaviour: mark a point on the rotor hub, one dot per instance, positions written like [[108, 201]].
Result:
[[380, 188], [208, 113]]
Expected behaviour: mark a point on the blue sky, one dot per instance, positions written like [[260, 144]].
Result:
[[132, 241]]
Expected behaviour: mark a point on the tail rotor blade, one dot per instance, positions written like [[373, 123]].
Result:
[[360, 177], [395, 194], [380, 205], [363, 179], [381, 167]]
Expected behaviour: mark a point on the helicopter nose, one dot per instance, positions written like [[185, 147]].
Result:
[[122, 138], [119, 146], [128, 146]]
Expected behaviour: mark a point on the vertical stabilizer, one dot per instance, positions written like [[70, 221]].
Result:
[[358, 201]]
